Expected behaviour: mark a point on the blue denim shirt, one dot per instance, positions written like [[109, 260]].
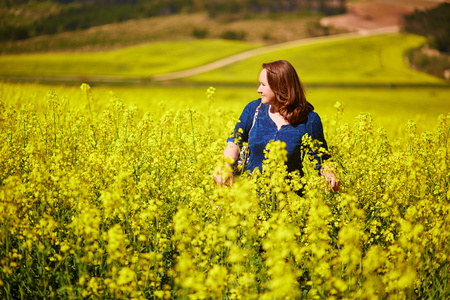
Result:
[[265, 130]]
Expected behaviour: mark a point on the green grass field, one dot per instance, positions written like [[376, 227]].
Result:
[[138, 61], [350, 61], [359, 60]]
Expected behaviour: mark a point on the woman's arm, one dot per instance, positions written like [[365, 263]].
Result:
[[329, 176], [316, 131], [231, 151], [236, 139]]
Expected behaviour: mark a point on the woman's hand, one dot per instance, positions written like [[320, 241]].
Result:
[[221, 176], [331, 178]]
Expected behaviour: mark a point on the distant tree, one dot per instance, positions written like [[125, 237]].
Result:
[[342, 6], [328, 7], [433, 24], [9, 3], [99, 2]]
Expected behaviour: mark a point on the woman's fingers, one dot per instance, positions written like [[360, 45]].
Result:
[[223, 180], [332, 179], [335, 184], [220, 180]]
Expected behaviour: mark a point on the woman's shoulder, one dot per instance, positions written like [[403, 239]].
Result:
[[254, 104], [313, 117], [250, 108]]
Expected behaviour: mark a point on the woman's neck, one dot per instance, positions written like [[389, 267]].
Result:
[[277, 118], [274, 109]]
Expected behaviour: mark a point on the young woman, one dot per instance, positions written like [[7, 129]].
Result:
[[282, 113]]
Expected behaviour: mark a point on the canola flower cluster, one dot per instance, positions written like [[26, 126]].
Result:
[[100, 202]]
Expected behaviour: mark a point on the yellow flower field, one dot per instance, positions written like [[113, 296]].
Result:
[[99, 200]]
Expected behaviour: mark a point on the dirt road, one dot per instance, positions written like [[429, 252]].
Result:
[[258, 51]]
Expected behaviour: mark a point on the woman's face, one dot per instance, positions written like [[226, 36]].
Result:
[[267, 95]]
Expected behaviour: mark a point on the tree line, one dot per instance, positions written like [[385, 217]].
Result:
[[433, 24], [91, 13]]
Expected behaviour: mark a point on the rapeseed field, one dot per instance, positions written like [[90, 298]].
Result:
[[101, 200]]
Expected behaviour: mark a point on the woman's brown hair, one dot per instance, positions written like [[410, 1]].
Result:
[[285, 84]]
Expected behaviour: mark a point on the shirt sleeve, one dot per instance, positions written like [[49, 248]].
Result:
[[243, 126], [315, 130]]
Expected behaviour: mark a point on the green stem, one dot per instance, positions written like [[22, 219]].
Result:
[[193, 137]]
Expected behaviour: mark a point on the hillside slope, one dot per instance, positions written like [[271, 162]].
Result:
[[174, 27]]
